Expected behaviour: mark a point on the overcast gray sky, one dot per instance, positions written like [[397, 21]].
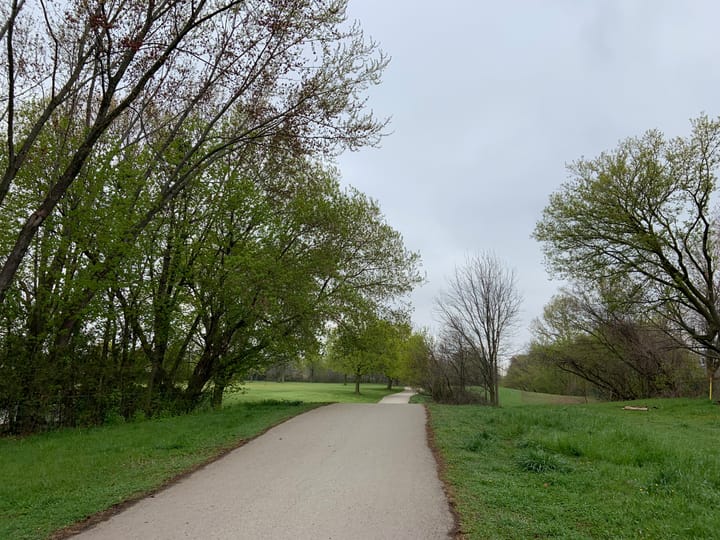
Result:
[[490, 100]]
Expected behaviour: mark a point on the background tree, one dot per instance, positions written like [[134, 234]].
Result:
[[641, 214], [537, 371], [367, 344], [620, 355], [450, 370], [414, 359], [393, 359], [354, 350], [479, 309], [314, 362]]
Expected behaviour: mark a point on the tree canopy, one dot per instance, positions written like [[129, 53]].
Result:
[[640, 217], [170, 215], [369, 343], [189, 83]]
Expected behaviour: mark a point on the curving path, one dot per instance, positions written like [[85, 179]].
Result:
[[344, 471], [399, 398]]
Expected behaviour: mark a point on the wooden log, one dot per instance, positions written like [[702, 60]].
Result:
[[631, 408]]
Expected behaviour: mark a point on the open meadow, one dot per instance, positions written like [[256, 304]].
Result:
[[308, 392], [582, 471]]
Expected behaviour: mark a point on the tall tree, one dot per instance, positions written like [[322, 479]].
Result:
[[168, 217], [305, 254], [397, 342], [480, 308], [285, 75], [641, 215]]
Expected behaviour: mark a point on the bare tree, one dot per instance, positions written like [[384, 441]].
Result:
[[480, 307]]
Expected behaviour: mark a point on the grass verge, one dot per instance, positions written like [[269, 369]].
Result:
[[309, 392], [53, 480], [509, 397], [583, 471]]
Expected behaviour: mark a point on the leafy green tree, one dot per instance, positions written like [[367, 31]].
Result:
[[534, 372], [50, 343], [641, 215], [396, 336], [413, 358], [306, 254], [79, 70], [365, 345], [168, 225], [351, 355]]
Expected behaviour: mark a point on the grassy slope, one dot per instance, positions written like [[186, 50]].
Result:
[[509, 397], [310, 392], [583, 471]]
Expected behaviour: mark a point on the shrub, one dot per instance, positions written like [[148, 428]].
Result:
[[538, 460]]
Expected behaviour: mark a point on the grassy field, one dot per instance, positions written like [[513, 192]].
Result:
[[309, 392], [509, 397], [583, 471]]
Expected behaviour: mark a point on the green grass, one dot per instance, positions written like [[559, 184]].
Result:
[[310, 392], [55, 479], [509, 397], [583, 471]]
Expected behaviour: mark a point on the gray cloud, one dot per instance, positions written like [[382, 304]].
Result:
[[490, 100]]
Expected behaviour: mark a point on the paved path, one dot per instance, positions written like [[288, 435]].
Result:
[[399, 398], [342, 472]]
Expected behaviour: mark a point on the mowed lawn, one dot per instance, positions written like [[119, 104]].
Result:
[[583, 471], [53, 480], [309, 392]]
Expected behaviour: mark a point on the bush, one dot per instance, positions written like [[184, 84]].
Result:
[[538, 460]]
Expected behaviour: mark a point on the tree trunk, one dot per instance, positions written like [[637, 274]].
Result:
[[389, 383], [357, 384], [200, 376], [172, 374], [218, 389], [496, 385], [710, 386], [163, 304]]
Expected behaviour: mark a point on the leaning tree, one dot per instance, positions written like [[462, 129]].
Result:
[[225, 76], [642, 215]]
